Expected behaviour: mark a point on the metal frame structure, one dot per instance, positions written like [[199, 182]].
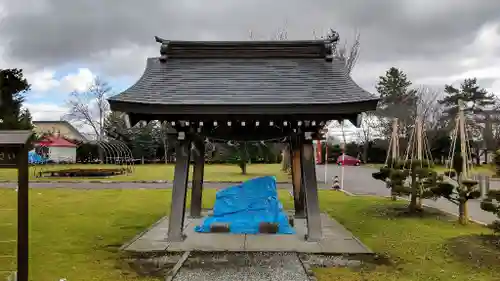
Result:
[[233, 107], [14, 155]]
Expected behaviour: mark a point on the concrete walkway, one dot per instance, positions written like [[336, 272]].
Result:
[[336, 240], [358, 180]]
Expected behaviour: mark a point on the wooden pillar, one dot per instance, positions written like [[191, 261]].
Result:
[[179, 192], [311, 190], [197, 183], [298, 187], [23, 216]]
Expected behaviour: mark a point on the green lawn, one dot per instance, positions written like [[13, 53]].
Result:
[[213, 172], [75, 234], [433, 247]]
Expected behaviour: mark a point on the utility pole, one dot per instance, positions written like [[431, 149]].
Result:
[[463, 147], [326, 160], [342, 148]]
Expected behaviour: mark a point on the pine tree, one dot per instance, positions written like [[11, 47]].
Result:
[[13, 86], [475, 99], [397, 100], [143, 142], [492, 204]]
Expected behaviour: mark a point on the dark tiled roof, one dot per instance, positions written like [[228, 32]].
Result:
[[244, 49], [243, 80]]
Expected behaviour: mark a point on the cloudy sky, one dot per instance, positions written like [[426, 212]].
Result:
[[63, 44]]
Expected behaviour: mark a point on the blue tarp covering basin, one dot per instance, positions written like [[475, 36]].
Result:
[[34, 158], [243, 207]]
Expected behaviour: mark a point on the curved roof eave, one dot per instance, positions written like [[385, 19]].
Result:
[[179, 89]]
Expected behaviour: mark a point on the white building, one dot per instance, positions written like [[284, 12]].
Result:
[[57, 149]]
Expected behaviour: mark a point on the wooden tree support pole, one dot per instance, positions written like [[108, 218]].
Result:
[[463, 141], [462, 208], [418, 124], [394, 149], [395, 139], [418, 135]]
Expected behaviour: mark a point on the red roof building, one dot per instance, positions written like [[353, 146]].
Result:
[[51, 141], [57, 149]]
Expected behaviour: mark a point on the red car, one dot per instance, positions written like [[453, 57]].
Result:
[[348, 161]]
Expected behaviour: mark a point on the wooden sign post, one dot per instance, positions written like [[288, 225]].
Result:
[[14, 155]]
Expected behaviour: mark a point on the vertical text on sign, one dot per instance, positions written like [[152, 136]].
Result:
[[8, 156]]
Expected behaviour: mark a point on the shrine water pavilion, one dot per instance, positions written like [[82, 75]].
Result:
[[244, 91]]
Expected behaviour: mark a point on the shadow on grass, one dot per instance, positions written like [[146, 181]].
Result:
[[372, 262], [482, 251], [402, 211]]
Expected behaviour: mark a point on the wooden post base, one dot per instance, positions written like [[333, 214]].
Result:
[[219, 228], [268, 228]]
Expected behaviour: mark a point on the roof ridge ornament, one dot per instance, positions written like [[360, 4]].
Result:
[[331, 40], [163, 48]]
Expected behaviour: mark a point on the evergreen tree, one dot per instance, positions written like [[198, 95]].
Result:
[[25, 119], [143, 142], [397, 100], [460, 192], [115, 127], [492, 204], [440, 146], [13, 86], [475, 98]]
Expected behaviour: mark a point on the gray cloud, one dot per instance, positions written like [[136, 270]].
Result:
[[486, 82], [413, 33]]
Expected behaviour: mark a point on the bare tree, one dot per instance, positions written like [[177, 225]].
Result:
[[281, 35], [286, 159], [90, 106], [428, 107], [163, 130], [349, 54], [488, 123], [367, 131], [495, 124]]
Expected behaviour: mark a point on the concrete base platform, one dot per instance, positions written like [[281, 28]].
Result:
[[336, 240]]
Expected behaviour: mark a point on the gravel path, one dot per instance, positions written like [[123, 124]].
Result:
[[247, 267]]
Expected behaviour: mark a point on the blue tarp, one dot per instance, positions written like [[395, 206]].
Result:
[[35, 158], [243, 207]]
